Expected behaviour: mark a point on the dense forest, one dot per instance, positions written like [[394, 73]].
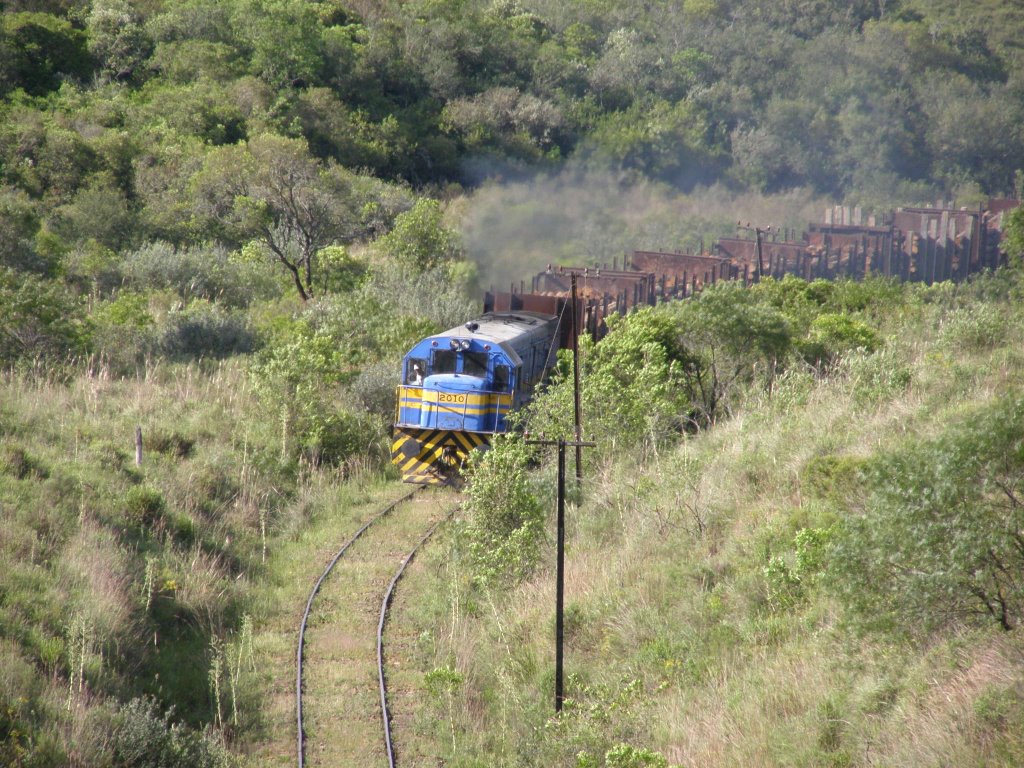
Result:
[[224, 222]]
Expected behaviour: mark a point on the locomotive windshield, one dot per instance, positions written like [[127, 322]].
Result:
[[474, 363], [444, 361]]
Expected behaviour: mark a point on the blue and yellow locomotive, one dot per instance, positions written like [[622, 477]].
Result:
[[460, 385]]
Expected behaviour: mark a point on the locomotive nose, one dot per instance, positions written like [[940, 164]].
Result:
[[410, 448]]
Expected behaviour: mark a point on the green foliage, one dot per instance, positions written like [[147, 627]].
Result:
[[204, 329], [832, 336], [626, 756], [788, 581], [271, 191], [19, 224], [599, 719], [630, 388], [117, 38], [144, 737], [835, 478], [16, 462], [128, 310], [1013, 236], [939, 541], [419, 240], [200, 272], [38, 319], [659, 141], [40, 49], [143, 506], [878, 375], [504, 529], [730, 338], [981, 326]]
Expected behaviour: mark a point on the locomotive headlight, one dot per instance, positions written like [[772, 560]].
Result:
[[454, 344], [464, 344]]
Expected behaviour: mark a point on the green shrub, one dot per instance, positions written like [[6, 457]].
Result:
[[625, 756], [334, 437], [171, 443], [834, 478], [205, 330], [833, 335], [977, 327], [876, 376], [505, 520], [143, 738], [206, 272], [16, 462], [939, 539], [143, 506], [38, 319]]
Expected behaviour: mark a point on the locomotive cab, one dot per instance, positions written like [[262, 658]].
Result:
[[459, 386], [466, 384]]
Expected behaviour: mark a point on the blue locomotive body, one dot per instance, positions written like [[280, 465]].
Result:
[[459, 386]]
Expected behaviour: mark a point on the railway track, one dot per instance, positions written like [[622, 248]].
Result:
[[342, 703]]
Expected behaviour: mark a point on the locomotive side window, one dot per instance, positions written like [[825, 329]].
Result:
[[501, 378], [415, 371], [474, 363], [444, 361]]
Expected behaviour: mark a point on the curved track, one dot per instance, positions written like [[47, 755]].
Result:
[[385, 714], [361, 565]]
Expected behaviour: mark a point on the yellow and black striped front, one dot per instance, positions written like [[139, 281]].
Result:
[[432, 456]]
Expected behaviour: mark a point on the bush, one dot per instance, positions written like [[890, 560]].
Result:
[[978, 327], [836, 478], [505, 525], [205, 330], [832, 336], [940, 539], [877, 375], [144, 738], [170, 443], [202, 272], [16, 462], [38, 319], [143, 507]]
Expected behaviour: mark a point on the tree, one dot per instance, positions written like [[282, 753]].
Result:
[[941, 537], [271, 191], [728, 335], [19, 222], [117, 38], [420, 239], [505, 525], [37, 318], [38, 49], [1013, 236]]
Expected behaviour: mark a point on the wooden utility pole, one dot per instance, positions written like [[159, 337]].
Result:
[[759, 233], [576, 381], [560, 562]]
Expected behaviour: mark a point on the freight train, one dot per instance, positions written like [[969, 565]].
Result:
[[460, 386]]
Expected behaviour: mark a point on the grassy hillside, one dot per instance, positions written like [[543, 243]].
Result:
[[766, 591], [819, 566]]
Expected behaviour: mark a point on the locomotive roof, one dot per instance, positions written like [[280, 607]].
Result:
[[500, 326]]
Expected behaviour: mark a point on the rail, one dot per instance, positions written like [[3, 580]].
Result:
[[309, 607], [385, 603]]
